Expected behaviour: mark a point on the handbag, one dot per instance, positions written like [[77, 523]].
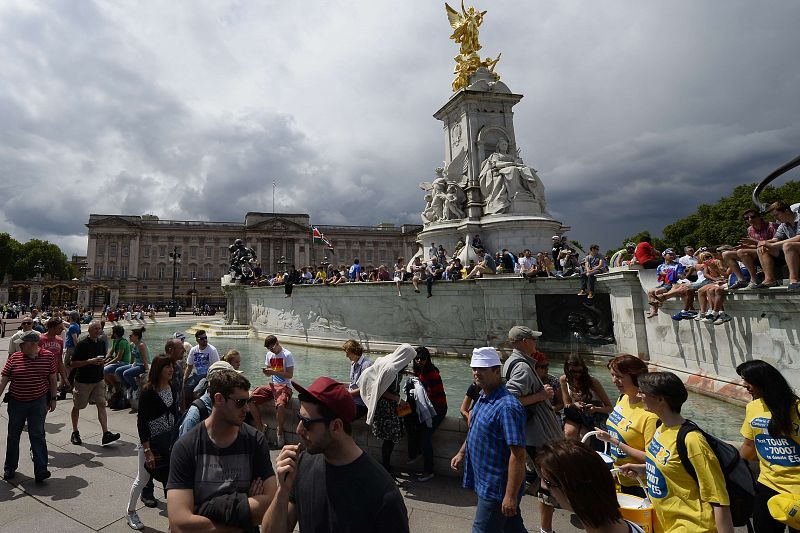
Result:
[[160, 446]]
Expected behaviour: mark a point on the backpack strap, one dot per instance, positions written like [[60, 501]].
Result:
[[513, 365], [687, 427], [201, 408]]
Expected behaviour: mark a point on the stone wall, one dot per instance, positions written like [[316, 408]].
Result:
[[480, 312]]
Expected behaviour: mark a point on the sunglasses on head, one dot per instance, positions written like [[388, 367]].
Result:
[[308, 422], [240, 402]]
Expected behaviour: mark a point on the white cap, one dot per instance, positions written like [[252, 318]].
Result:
[[221, 365], [485, 357]]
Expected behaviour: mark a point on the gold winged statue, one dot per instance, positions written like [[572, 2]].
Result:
[[465, 33]]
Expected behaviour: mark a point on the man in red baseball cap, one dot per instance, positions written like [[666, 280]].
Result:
[[334, 485]]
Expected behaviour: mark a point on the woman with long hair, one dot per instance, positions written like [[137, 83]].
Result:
[[579, 480], [158, 413], [586, 403], [420, 434], [630, 426], [771, 431], [681, 502]]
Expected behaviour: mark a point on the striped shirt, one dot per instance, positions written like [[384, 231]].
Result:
[[497, 422], [432, 381], [30, 376], [54, 344]]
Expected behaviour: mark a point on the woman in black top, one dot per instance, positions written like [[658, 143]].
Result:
[[158, 412]]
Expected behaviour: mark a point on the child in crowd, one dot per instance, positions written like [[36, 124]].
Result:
[[669, 273]]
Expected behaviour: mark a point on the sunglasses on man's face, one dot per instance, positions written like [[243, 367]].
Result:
[[202, 338], [27, 323], [240, 402], [308, 422]]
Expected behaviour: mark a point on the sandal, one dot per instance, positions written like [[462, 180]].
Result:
[[651, 314]]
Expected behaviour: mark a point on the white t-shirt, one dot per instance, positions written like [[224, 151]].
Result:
[[279, 362], [526, 263], [202, 359]]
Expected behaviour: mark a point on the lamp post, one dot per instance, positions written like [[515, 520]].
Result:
[[282, 264], [84, 268], [175, 259], [194, 294]]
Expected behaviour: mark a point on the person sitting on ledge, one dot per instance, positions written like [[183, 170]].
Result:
[[487, 265], [759, 230], [669, 272], [646, 255], [783, 247], [593, 264]]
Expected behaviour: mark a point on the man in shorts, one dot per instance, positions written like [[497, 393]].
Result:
[[784, 247], [88, 361], [279, 365], [365, 498], [747, 253]]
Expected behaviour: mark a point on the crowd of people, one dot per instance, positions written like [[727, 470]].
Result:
[[707, 273], [198, 421]]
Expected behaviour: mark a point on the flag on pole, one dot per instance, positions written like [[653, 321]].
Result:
[[319, 238]]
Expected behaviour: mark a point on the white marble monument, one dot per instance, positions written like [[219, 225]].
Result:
[[484, 186]]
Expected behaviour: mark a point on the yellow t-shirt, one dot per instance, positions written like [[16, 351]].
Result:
[[778, 457], [681, 504], [633, 425]]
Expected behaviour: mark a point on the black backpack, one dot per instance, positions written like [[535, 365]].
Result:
[[739, 480], [201, 407]]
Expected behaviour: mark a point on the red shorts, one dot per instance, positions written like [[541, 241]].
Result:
[[280, 393]]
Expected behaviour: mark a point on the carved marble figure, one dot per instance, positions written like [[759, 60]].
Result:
[[243, 261], [504, 178]]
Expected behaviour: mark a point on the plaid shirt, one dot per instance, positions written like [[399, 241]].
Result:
[[497, 422]]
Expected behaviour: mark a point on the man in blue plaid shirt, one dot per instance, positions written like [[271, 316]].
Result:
[[494, 452]]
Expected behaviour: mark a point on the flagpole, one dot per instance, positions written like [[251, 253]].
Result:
[[273, 197]]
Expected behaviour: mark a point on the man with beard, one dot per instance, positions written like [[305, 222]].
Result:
[[220, 473], [334, 485]]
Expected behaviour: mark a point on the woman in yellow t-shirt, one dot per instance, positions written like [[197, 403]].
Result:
[[630, 426], [771, 431], [681, 504]]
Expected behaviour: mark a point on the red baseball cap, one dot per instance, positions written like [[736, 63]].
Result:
[[332, 395]]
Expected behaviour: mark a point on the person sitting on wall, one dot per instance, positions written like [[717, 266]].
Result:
[[646, 255], [783, 247], [669, 272], [746, 252], [486, 266]]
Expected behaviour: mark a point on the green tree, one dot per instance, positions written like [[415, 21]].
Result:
[[9, 251], [28, 254], [719, 223]]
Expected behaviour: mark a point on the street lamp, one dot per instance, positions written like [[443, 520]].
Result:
[[39, 269], [194, 293], [84, 268], [282, 264], [175, 259]]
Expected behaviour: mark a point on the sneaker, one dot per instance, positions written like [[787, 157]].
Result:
[[709, 318], [722, 318], [110, 437], [699, 317], [677, 317], [751, 286], [590, 295], [425, 477], [62, 395], [149, 500], [41, 476], [688, 315], [582, 293], [9, 474], [75, 438], [741, 284], [134, 522], [793, 287]]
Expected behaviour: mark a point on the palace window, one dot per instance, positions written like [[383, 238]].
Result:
[[145, 251], [145, 273], [193, 252], [124, 251], [162, 251], [209, 252], [101, 249], [112, 268], [161, 269], [123, 272]]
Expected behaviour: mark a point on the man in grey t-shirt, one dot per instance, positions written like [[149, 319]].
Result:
[[220, 471], [523, 382], [785, 246]]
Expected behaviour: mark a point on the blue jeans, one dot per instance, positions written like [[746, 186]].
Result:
[[34, 413], [130, 374], [489, 518], [113, 367]]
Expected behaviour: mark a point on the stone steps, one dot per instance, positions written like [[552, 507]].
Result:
[[221, 330]]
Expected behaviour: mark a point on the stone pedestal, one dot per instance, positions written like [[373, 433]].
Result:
[[83, 297], [114, 297], [3, 295], [36, 295]]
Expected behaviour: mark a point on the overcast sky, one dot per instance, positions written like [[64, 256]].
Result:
[[633, 112]]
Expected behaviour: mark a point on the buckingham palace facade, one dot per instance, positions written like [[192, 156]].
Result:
[[128, 257]]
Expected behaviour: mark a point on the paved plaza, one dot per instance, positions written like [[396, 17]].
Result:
[[90, 484]]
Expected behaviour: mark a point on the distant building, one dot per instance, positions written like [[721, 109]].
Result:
[[129, 262]]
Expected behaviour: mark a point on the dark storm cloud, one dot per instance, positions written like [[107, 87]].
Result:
[[633, 113]]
